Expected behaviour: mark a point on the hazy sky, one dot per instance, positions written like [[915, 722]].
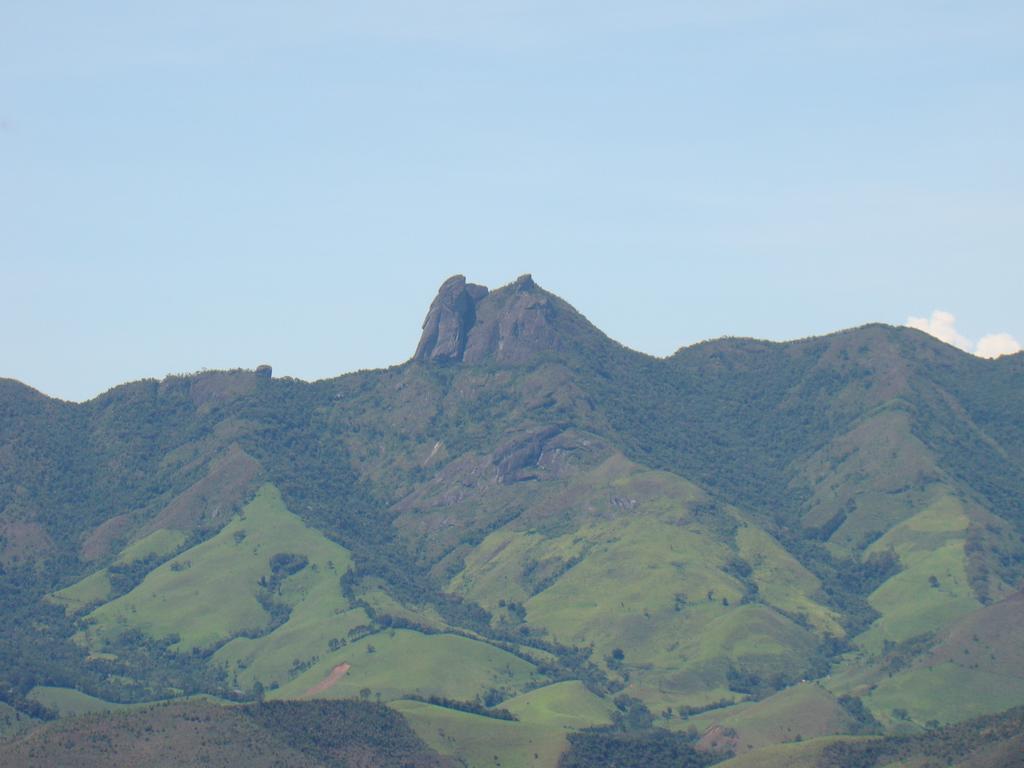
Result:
[[225, 183]]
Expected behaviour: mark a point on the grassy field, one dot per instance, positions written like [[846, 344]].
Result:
[[212, 593], [67, 701], [945, 692], [804, 711], [974, 667], [208, 594], [988, 640], [649, 567], [400, 662], [306, 636], [929, 544], [160, 543], [483, 742], [869, 465], [566, 705], [94, 588], [782, 581]]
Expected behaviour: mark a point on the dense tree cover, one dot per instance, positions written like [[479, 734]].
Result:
[[654, 749], [478, 707], [866, 722], [846, 581], [337, 731], [947, 745], [296, 734]]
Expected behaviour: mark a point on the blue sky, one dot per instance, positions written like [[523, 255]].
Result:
[[207, 185]]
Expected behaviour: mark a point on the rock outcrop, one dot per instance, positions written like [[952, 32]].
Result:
[[466, 323], [449, 321]]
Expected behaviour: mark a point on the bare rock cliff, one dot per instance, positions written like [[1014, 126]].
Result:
[[467, 323]]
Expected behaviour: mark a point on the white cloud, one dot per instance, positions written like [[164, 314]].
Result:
[[942, 325], [996, 344]]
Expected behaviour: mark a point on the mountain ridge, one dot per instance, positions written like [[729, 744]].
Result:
[[697, 532], [421, 352]]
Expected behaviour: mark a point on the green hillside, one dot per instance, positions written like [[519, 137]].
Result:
[[528, 530], [399, 662], [568, 705], [481, 742], [804, 711], [67, 701], [265, 561]]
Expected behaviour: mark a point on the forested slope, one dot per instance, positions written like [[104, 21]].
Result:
[[525, 503]]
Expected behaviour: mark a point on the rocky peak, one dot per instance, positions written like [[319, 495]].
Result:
[[523, 284], [449, 320], [468, 323]]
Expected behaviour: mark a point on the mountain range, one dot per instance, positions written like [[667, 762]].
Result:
[[534, 545]]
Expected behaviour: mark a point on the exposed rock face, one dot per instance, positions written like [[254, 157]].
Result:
[[520, 453], [451, 316], [511, 324], [516, 323]]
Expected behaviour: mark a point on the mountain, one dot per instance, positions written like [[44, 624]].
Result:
[[528, 530]]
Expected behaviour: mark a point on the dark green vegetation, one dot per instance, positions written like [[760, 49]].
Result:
[[651, 750], [995, 741], [992, 741], [539, 531], [309, 734]]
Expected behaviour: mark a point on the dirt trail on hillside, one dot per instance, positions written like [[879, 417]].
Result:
[[336, 674]]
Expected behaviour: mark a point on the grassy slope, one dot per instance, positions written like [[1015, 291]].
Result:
[[648, 576], [305, 636], [632, 567], [973, 668], [931, 543], [94, 588], [782, 581], [404, 662], [867, 477], [945, 692], [482, 742], [162, 542], [567, 704], [806, 711], [67, 701], [994, 741], [208, 594]]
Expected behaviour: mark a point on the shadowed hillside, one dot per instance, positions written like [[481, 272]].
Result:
[[296, 735]]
